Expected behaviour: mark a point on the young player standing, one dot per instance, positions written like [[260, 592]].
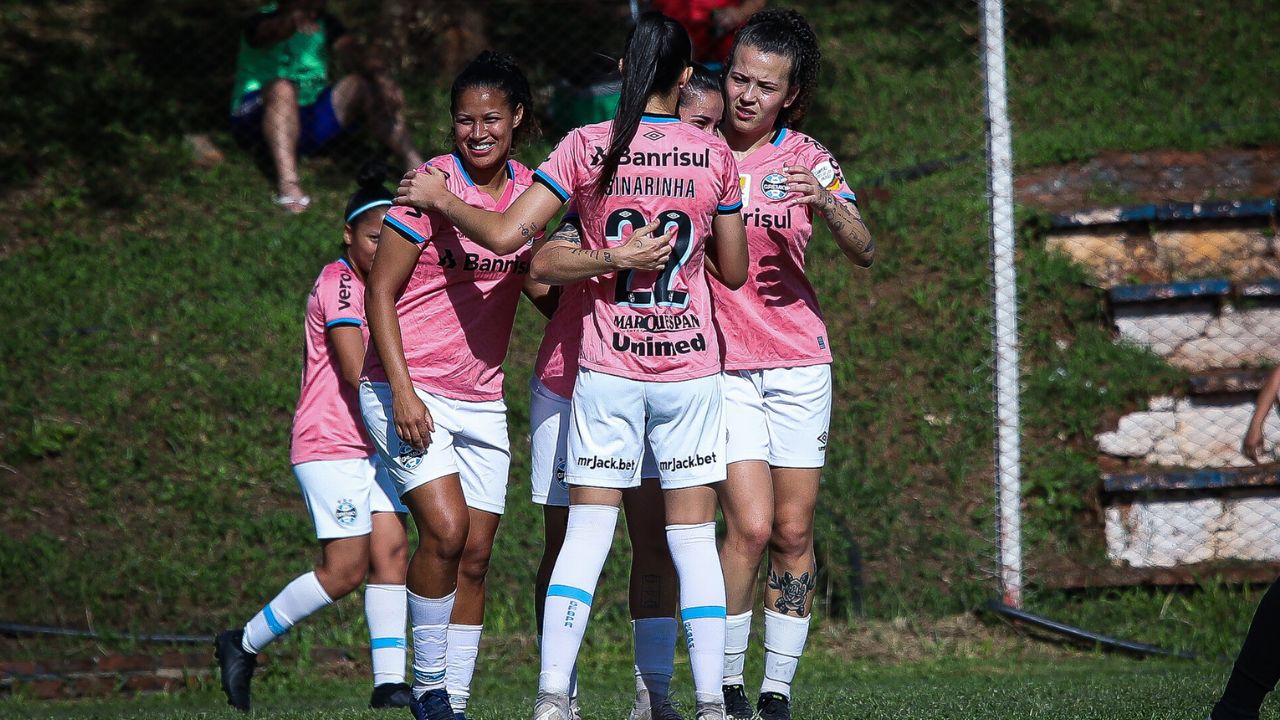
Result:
[[777, 354], [441, 309], [653, 593], [358, 520], [649, 363]]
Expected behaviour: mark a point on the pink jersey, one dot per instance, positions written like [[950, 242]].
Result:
[[774, 320], [326, 423], [457, 309], [653, 326], [557, 364]]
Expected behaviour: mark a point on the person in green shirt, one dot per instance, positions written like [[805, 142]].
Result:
[[283, 97]]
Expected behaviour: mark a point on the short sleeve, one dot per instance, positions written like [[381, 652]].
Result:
[[340, 299], [730, 200], [562, 171], [415, 225], [827, 171]]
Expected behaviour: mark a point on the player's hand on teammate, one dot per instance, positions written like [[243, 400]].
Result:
[[1252, 446], [804, 187], [642, 251], [424, 190], [413, 420]]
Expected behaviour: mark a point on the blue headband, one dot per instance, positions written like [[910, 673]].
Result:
[[367, 206]]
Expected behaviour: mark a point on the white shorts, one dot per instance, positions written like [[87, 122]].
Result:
[[343, 494], [779, 415], [548, 446], [612, 416], [470, 439]]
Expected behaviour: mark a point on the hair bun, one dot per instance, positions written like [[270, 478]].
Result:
[[497, 60], [373, 174]]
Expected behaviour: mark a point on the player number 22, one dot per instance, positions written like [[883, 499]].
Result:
[[619, 226]]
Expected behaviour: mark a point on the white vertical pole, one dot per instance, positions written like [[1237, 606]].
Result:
[[1005, 299]]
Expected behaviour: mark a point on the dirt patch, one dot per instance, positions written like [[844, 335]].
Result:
[[1113, 178]]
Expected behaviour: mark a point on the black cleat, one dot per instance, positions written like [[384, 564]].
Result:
[[736, 705], [391, 695], [773, 706], [237, 666], [433, 705]]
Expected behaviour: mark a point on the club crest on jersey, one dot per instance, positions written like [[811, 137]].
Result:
[[345, 512], [774, 186]]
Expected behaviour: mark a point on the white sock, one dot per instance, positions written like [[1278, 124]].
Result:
[[573, 676], [655, 648], [737, 634], [573, 582], [384, 610], [297, 600], [784, 639], [464, 646], [429, 618], [693, 549]]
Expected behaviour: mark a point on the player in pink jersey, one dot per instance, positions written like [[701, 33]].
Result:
[[777, 353], [653, 594], [441, 308], [358, 519], [649, 365]]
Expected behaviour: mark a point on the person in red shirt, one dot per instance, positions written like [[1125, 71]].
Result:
[[712, 24]]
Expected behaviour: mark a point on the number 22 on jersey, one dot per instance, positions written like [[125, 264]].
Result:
[[619, 226]]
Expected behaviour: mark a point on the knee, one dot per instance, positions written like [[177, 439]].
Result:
[[342, 580], [392, 560], [280, 90], [792, 538], [750, 537], [474, 565], [446, 540]]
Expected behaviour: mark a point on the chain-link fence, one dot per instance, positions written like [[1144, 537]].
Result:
[[1143, 244]]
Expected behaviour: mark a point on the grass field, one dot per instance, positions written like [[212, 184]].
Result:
[[1075, 687], [152, 342]]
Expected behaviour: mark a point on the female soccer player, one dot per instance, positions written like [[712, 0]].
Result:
[[777, 381], [359, 521], [653, 578], [649, 360], [441, 308]]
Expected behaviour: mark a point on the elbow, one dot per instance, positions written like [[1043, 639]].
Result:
[[540, 270], [733, 281], [864, 261], [352, 379]]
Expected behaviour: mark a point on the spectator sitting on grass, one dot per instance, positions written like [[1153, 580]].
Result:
[[284, 99]]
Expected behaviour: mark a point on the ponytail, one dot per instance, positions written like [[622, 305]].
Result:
[[658, 51]]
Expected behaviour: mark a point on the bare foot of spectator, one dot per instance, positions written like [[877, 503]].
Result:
[[292, 198]]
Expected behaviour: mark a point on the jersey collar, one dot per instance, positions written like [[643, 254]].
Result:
[[659, 118]]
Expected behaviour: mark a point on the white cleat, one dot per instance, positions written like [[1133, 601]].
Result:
[[575, 710], [552, 706]]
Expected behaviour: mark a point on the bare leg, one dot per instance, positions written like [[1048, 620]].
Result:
[[792, 565], [343, 564], [746, 498], [355, 97], [468, 609], [440, 513], [280, 129], [388, 549], [653, 575], [554, 521]]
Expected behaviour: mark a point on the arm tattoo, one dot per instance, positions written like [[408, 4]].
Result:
[[839, 217], [603, 256], [793, 591], [567, 232], [528, 231]]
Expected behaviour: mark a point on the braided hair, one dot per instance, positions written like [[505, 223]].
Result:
[[498, 71], [785, 32]]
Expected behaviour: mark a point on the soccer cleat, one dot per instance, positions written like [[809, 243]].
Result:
[[711, 711], [237, 665], [773, 706], [665, 711], [736, 704], [459, 715], [575, 710], [552, 706], [432, 705], [391, 695]]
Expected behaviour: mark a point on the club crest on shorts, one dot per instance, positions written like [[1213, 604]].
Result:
[[774, 186], [345, 512], [410, 456], [560, 463]]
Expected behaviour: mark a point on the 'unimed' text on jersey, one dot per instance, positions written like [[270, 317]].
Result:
[[653, 326], [457, 309], [774, 320], [326, 423]]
